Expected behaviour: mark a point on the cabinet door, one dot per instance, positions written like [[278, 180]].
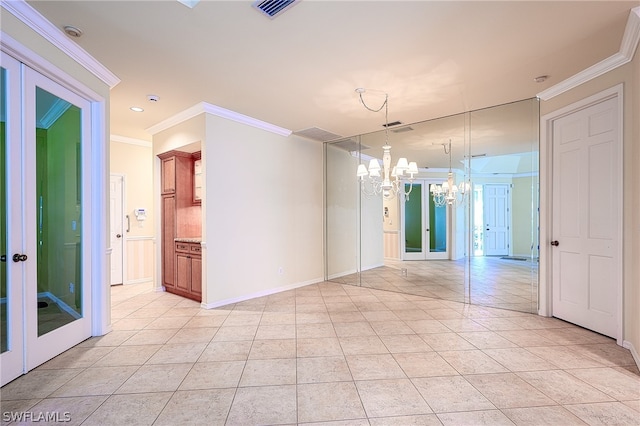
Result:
[[183, 271], [169, 175], [168, 237], [196, 275]]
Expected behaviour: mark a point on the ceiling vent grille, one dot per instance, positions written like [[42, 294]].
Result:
[[403, 129], [317, 134], [272, 8]]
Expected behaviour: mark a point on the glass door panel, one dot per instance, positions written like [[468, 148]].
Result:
[[437, 228], [58, 201]]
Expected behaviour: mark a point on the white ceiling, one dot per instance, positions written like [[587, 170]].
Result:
[[300, 69]]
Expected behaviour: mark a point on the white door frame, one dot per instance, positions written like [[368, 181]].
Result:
[[546, 206], [95, 154]]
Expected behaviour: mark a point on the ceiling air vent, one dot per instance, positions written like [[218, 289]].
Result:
[[317, 134], [403, 129], [273, 8], [393, 123]]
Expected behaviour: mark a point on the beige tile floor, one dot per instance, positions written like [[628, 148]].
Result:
[[332, 354]]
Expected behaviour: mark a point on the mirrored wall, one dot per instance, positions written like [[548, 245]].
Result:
[[481, 249]]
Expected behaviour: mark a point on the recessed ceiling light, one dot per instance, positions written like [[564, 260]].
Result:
[[541, 78], [72, 31], [136, 109]]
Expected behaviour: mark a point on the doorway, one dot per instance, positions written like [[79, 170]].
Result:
[[45, 275], [491, 219], [424, 225]]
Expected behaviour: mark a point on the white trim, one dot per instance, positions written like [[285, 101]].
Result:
[[17, 50], [204, 107], [634, 353], [628, 47], [130, 141], [38, 23], [260, 294], [141, 238], [545, 306]]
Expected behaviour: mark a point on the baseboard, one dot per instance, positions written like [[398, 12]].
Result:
[[260, 294], [342, 274], [634, 353], [139, 281], [68, 309]]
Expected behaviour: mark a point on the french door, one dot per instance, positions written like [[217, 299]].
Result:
[[424, 225], [44, 283]]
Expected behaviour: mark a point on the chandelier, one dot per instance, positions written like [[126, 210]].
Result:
[[389, 184], [449, 193]]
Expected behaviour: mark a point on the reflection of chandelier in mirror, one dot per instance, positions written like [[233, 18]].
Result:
[[390, 182], [449, 193]]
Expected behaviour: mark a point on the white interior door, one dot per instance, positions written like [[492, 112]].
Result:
[[496, 219], [116, 230], [586, 268]]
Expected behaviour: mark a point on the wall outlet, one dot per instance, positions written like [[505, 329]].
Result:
[[72, 287]]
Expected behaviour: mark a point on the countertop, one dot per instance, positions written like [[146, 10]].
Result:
[[188, 240]]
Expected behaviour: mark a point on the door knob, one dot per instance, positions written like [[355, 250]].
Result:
[[3, 258], [19, 257], [555, 243], [118, 236]]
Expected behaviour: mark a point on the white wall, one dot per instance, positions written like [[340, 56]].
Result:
[[263, 211]]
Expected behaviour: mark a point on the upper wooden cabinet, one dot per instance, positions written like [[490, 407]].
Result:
[[177, 174]]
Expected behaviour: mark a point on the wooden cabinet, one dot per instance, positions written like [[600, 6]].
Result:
[[168, 238], [189, 270], [181, 218]]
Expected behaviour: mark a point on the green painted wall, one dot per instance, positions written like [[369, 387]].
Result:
[[57, 177], [412, 224]]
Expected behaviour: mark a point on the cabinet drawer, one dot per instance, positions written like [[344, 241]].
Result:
[[195, 248], [182, 247]]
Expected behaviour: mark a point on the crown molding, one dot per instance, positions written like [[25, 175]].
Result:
[[628, 46], [207, 108], [59, 107], [130, 141], [38, 23]]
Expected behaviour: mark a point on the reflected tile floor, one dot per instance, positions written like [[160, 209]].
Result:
[[329, 354], [496, 281]]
